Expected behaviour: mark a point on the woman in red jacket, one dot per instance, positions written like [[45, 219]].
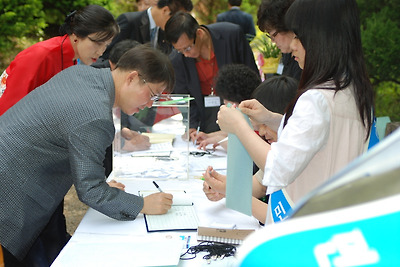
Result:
[[85, 36]]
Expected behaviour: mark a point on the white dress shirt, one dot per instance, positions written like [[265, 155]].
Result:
[[305, 133]]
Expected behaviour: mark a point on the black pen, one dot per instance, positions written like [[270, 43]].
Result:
[[156, 185]]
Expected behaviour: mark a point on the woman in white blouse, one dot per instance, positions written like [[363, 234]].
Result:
[[328, 123]]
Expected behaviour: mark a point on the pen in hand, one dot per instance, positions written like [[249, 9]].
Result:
[[197, 133], [156, 185]]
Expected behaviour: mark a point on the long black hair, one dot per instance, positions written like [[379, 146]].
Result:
[[329, 31]]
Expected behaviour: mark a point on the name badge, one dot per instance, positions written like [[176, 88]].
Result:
[[280, 205], [212, 101], [280, 69]]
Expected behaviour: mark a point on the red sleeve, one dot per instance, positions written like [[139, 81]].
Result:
[[30, 69]]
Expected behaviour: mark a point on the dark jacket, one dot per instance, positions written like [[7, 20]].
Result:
[[230, 46], [245, 20], [136, 26]]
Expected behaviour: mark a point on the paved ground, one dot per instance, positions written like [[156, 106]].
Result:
[[74, 210]]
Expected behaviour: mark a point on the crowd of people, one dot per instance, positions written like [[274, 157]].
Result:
[[57, 97]]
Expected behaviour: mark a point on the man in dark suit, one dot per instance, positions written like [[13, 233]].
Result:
[[148, 26], [237, 16], [200, 52]]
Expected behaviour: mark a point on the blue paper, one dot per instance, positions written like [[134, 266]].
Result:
[[239, 175]]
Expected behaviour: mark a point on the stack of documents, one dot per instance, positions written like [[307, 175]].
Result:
[[156, 138]]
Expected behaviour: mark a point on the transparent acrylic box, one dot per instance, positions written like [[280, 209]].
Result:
[[166, 120]]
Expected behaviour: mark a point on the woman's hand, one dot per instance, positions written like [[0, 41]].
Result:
[[212, 138], [198, 137], [259, 114], [230, 119], [212, 194], [216, 181], [255, 110]]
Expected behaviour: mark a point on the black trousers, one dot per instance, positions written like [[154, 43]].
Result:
[[47, 246]]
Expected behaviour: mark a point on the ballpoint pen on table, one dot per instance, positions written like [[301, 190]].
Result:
[[156, 185]]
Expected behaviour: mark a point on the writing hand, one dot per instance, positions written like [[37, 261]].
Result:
[[158, 203], [197, 137]]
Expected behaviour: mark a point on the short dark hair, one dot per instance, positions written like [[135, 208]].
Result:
[[176, 5], [120, 48], [235, 2], [236, 82], [179, 24], [276, 92], [88, 20], [153, 65], [271, 15]]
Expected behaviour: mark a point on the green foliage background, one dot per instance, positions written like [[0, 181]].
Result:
[[381, 38], [26, 22], [18, 19]]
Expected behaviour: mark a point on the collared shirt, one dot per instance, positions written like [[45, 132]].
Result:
[[207, 70], [304, 135], [152, 22], [153, 27]]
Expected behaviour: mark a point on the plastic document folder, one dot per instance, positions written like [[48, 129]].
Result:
[[181, 216], [239, 175]]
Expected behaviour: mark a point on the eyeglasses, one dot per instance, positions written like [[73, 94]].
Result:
[[272, 36], [188, 48], [153, 96]]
